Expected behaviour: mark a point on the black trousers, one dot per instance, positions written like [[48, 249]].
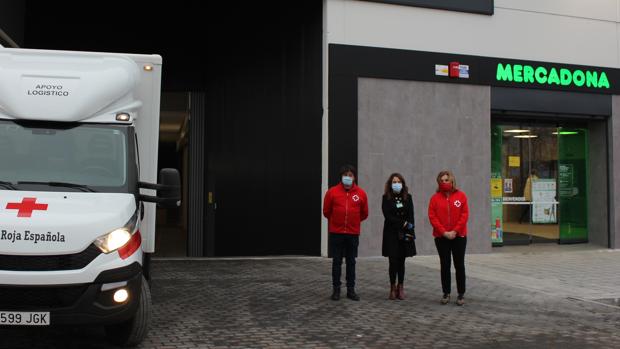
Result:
[[343, 245], [447, 250], [397, 268]]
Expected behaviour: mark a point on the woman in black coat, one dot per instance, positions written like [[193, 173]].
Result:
[[398, 231]]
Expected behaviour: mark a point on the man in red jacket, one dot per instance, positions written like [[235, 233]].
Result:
[[345, 207]]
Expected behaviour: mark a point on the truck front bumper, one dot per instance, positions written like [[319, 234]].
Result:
[[90, 303]]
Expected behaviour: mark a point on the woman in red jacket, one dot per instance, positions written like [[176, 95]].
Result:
[[448, 213]]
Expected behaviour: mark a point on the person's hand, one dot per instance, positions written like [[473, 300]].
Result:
[[450, 235]]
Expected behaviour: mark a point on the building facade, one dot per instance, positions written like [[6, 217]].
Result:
[[498, 92], [518, 98]]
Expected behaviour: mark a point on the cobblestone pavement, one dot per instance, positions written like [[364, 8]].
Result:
[[535, 297]]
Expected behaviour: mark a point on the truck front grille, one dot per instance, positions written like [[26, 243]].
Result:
[[49, 263], [40, 298]]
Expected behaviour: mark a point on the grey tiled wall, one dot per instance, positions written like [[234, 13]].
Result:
[[598, 230], [419, 129], [614, 175]]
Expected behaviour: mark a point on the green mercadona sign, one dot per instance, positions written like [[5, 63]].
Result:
[[528, 74]]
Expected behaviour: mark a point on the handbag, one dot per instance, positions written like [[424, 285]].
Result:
[[406, 235], [409, 235]]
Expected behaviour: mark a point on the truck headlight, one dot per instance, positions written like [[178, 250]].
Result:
[[117, 238], [113, 241]]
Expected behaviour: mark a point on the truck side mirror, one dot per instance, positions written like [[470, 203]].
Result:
[[168, 189]]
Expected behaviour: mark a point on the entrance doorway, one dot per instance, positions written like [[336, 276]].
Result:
[[171, 225], [539, 183]]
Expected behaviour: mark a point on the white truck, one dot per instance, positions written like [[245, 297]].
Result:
[[78, 166]]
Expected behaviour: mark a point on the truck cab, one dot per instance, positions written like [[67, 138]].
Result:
[[78, 188]]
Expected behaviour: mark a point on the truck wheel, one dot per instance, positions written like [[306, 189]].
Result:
[[131, 332]]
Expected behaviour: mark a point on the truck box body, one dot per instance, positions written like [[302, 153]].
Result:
[[78, 136]]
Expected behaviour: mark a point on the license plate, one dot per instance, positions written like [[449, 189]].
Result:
[[24, 318]]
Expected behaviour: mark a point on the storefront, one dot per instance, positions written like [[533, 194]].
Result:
[[529, 142]]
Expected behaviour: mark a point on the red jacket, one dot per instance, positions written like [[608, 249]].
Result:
[[448, 213], [345, 210]]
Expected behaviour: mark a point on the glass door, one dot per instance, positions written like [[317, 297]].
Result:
[[573, 179], [541, 186], [497, 216], [539, 178], [524, 172]]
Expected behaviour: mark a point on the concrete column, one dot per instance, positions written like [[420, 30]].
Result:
[[598, 215], [614, 172]]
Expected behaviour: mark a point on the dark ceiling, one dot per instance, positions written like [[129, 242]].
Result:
[[194, 38]]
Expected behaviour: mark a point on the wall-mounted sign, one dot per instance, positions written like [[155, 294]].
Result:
[[354, 61], [441, 69], [528, 74], [514, 161], [453, 70], [514, 199], [543, 201], [496, 188], [508, 185], [566, 178], [463, 71], [496, 208]]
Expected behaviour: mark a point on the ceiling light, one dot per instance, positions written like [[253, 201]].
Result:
[[565, 133], [516, 131]]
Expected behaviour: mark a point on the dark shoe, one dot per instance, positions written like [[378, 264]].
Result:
[[352, 295], [445, 299], [400, 292], [336, 294], [460, 300], [392, 292]]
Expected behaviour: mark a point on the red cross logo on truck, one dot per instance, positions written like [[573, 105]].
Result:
[[26, 207]]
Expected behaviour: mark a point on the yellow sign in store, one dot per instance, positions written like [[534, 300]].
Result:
[[496, 187], [514, 161]]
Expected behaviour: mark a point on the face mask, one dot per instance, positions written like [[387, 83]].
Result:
[[445, 186], [397, 187], [347, 181]]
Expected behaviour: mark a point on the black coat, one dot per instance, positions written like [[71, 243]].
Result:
[[395, 218]]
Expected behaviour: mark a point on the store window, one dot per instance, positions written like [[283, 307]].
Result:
[[539, 179]]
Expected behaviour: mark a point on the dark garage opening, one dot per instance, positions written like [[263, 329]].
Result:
[[258, 69]]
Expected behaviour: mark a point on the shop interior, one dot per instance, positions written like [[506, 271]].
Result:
[[539, 183]]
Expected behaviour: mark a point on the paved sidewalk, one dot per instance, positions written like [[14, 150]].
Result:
[[533, 297], [580, 271]]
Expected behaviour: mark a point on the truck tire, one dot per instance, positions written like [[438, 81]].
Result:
[[131, 332]]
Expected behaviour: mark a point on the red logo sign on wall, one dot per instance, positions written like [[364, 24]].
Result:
[[26, 207]]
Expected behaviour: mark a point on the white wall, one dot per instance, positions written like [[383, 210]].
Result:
[[563, 31]]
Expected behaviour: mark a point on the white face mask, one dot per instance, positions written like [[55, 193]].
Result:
[[397, 187], [347, 181]]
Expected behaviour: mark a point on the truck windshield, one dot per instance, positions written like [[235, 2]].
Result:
[[90, 155]]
